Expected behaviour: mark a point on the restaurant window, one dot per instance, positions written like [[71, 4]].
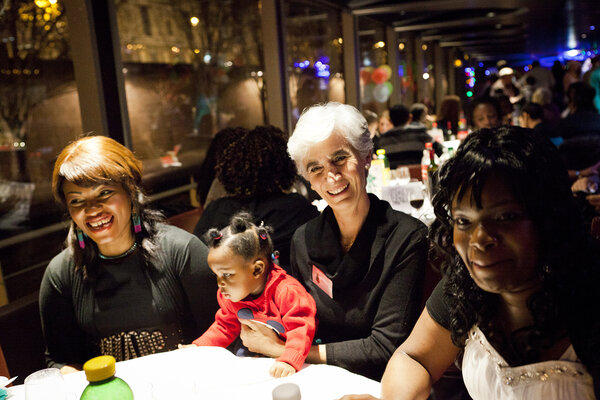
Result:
[[315, 59], [427, 97], [407, 87], [39, 115], [375, 73], [199, 71]]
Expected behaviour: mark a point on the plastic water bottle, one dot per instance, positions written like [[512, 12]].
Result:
[[386, 166], [436, 133], [424, 165], [103, 384]]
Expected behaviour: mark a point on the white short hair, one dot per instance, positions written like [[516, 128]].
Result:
[[317, 123]]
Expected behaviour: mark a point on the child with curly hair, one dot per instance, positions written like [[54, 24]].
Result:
[[253, 288]]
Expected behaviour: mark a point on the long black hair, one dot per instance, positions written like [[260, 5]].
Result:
[[568, 257]]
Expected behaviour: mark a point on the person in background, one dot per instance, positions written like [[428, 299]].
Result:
[[595, 80], [372, 122], [543, 76], [209, 188], [572, 74], [404, 144], [506, 85], [528, 87], [362, 261], [252, 286], [521, 273], [450, 110], [258, 175], [532, 117], [484, 112], [385, 122], [583, 118], [127, 284], [543, 97]]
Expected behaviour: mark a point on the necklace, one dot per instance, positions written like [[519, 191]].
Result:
[[128, 252]]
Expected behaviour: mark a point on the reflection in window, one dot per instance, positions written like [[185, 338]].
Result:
[[375, 75], [39, 110], [199, 71], [314, 39], [39, 115]]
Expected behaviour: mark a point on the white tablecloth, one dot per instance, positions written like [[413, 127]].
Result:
[[397, 194], [214, 373]]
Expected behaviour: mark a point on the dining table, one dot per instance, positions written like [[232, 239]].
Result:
[[214, 373]]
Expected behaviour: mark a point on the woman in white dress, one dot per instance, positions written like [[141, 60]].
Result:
[[518, 306]]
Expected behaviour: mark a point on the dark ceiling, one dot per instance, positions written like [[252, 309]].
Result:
[[490, 30]]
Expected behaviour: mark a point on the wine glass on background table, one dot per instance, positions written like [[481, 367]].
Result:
[[416, 198]]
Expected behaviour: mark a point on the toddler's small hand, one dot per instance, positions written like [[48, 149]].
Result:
[[183, 346], [281, 370]]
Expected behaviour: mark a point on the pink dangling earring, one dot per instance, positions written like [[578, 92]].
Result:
[[137, 224], [80, 238]]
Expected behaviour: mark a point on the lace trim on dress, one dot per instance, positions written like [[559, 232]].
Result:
[[526, 374]]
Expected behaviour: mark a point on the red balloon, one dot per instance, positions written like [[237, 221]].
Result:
[[379, 75]]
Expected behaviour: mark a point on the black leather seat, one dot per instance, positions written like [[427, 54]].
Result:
[[21, 337]]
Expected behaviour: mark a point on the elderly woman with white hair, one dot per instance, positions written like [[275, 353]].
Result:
[[362, 261]]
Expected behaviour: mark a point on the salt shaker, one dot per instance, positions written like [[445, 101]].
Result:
[[287, 391]]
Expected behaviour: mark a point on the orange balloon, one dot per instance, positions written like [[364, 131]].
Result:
[[379, 75]]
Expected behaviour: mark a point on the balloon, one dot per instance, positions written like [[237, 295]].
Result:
[[379, 75], [381, 93], [365, 75], [387, 69], [368, 93], [390, 86]]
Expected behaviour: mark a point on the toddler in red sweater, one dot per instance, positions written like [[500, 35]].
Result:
[[252, 287]]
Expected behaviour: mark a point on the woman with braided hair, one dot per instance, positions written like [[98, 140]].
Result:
[[252, 287], [258, 175]]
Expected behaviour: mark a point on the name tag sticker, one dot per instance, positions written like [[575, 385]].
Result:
[[322, 281]]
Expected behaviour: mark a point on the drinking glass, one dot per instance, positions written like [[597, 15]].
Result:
[[401, 174], [416, 198], [46, 384]]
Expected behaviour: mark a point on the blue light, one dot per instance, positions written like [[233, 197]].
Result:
[[487, 72], [401, 70], [480, 65], [302, 65], [526, 68], [592, 28]]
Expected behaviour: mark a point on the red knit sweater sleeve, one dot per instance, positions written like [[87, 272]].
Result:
[[224, 330], [298, 310]]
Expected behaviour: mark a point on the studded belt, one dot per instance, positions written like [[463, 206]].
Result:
[[132, 344]]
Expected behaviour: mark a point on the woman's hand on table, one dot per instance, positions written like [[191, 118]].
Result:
[[586, 184], [594, 200], [261, 339], [70, 368], [281, 369]]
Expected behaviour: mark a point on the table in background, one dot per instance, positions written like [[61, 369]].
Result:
[[397, 194], [214, 373]]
